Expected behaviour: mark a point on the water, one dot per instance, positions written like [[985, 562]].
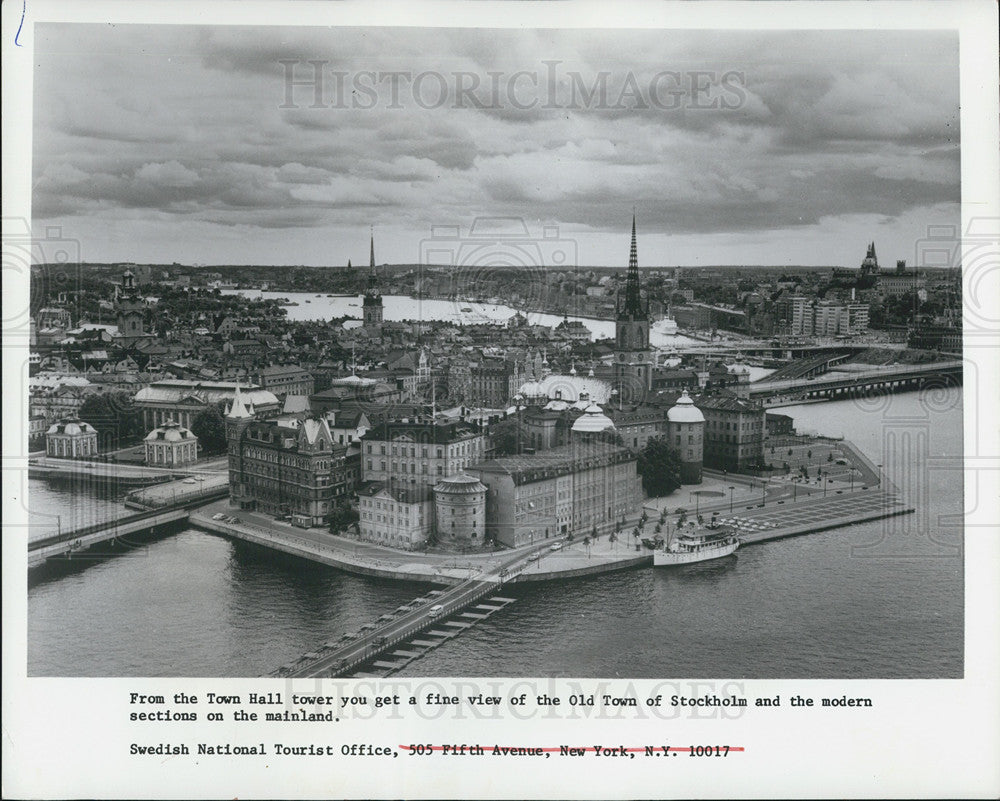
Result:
[[875, 600], [399, 308]]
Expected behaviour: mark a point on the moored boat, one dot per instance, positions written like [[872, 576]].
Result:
[[700, 545]]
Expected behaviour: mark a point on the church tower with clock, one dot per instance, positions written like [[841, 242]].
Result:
[[633, 357]]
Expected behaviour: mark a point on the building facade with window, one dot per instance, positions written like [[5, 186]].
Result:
[[288, 470], [397, 517], [570, 489], [71, 438], [170, 445], [419, 453]]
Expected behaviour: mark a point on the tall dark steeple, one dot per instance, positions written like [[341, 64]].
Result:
[[372, 304], [633, 362], [633, 298]]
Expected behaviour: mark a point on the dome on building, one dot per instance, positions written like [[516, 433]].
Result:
[[532, 389], [557, 405], [71, 426], [460, 484], [685, 411], [169, 432], [593, 421]]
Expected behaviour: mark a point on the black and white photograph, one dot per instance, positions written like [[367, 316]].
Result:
[[584, 351]]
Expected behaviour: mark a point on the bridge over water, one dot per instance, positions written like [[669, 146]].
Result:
[[902, 378], [76, 541]]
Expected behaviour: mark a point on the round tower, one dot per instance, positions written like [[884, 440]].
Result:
[[686, 433], [460, 509]]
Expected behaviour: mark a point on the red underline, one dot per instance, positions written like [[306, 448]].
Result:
[[641, 749]]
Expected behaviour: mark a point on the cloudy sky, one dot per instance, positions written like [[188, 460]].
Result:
[[187, 144]]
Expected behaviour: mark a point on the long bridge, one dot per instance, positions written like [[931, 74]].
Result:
[[67, 543], [338, 659], [896, 379]]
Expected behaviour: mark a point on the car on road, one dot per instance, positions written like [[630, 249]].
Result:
[[189, 481], [556, 546], [218, 516], [435, 610]]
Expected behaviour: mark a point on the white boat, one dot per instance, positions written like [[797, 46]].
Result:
[[697, 546]]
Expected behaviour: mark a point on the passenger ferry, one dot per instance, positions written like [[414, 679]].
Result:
[[697, 546]]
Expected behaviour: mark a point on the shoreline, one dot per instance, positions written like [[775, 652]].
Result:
[[570, 561]]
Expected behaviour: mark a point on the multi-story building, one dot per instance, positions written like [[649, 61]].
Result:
[[686, 434], [181, 399], [401, 453], [286, 379], [900, 282], [576, 488], [398, 517], [734, 432], [288, 470], [492, 382], [637, 425], [812, 317]]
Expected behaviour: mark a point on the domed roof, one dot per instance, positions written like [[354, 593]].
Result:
[[72, 426], [170, 432], [685, 411], [460, 484], [593, 421], [531, 389]]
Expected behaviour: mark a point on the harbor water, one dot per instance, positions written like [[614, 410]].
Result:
[[876, 600]]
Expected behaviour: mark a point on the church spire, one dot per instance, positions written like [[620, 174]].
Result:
[[372, 262], [633, 299]]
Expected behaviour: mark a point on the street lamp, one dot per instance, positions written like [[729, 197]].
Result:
[[731, 499], [826, 480]]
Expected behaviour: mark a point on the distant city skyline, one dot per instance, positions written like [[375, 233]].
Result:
[[199, 145]]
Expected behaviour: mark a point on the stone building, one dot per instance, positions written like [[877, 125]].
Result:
[[633, 360], [460, 510], [71, 438], [735, 429], [685, 433], [292, 469], [571, 489], [181, 400], [397, 517], [419, 452], [170, 445]]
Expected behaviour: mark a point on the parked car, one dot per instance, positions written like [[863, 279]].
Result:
[[435, 610]]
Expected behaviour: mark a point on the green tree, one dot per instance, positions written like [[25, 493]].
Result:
[[659, 465], [210, 429]]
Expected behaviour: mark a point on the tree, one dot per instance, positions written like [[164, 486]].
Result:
[[508, 437], [114, 417], [659, 465], [210, 429], [342, 516]]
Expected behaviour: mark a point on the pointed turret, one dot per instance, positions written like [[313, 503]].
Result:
[[239, 410]]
